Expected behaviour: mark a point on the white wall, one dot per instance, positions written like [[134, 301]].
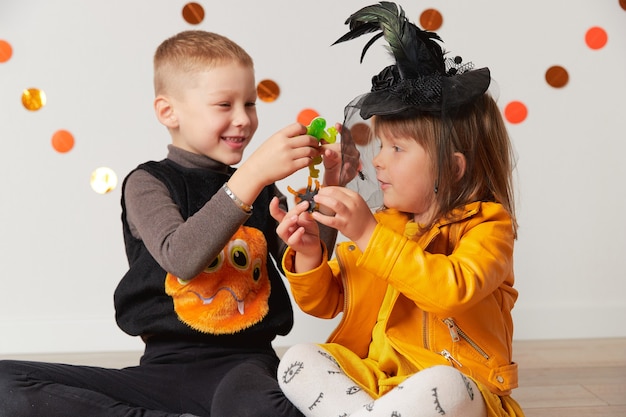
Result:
[[61, 250]]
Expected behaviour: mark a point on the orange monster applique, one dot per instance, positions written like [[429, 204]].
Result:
[[232, 293]]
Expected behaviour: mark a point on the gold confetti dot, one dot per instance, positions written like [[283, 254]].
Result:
[[103, 180], [33, 99]]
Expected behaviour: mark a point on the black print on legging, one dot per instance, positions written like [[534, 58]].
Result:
[[293, 370], [438, 407], [370, 406], [353, 390], [317, 401], [468, 387], [395, 414], [329, 357]]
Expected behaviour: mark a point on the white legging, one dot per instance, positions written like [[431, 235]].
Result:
[[313, 382]]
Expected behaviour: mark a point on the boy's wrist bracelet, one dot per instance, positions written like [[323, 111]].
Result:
[[247, 208]]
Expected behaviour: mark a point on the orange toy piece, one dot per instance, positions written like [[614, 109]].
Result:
[[307, 194]]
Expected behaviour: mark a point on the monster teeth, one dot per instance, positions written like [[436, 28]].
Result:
[[240, 307]]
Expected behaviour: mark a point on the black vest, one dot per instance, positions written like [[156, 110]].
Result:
[[141, 304]]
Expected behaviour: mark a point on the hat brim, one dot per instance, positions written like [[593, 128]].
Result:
[[454, 91]]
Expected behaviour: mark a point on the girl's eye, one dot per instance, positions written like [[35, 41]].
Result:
[[396, 148], [251, 104]]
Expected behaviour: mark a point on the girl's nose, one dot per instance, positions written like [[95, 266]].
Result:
[[377, 161]]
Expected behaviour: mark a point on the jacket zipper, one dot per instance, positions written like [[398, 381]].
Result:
[[457, 334], [425, 330], [450, 358]]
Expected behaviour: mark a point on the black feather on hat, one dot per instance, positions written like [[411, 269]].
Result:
[[422, 79]]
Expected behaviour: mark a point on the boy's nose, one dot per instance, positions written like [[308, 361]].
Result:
[[241, 119]]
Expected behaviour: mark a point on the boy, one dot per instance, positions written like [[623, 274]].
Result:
[[201, 290]]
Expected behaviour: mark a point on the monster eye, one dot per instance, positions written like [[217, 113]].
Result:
[[216, 264], [239, 254], [183, 281], [256, 271]]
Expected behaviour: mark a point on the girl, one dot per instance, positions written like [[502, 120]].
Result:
[[425, 285]]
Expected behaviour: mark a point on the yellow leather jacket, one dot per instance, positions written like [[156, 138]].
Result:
[[453, 289]]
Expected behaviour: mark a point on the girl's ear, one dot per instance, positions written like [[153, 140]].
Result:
[[461, 164], [165, 112]]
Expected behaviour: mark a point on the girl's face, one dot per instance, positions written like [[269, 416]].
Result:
[[216, 113], [405, 173]]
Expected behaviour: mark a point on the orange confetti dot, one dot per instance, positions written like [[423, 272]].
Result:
[[306, 115], [6, 51], [193, 13], [431, 19], [515, 112], [268, 91], [62, 141], [557, 76], [623, 4], [596, 37]]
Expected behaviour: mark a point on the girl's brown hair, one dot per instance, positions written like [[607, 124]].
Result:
[[191, 51], [476, 130]]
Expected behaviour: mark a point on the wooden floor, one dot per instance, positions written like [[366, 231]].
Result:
[[573, 378], [558, 378]]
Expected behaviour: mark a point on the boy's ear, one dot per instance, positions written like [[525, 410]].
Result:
[[461, 164], [165, 112]]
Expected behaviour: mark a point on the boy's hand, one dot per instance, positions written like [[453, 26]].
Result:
[[285, 152]]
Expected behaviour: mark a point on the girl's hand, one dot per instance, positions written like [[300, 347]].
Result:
[[353, 218], [336, 164], [298, 230]]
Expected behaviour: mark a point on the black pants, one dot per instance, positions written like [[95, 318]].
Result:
[[170, 380]]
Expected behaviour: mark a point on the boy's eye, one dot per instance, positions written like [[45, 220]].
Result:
[[251, 104]]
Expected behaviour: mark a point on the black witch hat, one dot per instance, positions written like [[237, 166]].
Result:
[[422, 81], [422, 78]]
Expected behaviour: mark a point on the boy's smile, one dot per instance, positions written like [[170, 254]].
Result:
[[216, 114]]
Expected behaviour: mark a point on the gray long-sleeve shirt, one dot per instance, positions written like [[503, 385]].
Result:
[[185, 247]]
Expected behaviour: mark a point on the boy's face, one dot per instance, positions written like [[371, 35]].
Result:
[[215, 112]]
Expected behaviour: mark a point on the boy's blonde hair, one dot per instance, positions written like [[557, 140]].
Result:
[[192, 51], [476, 130]]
